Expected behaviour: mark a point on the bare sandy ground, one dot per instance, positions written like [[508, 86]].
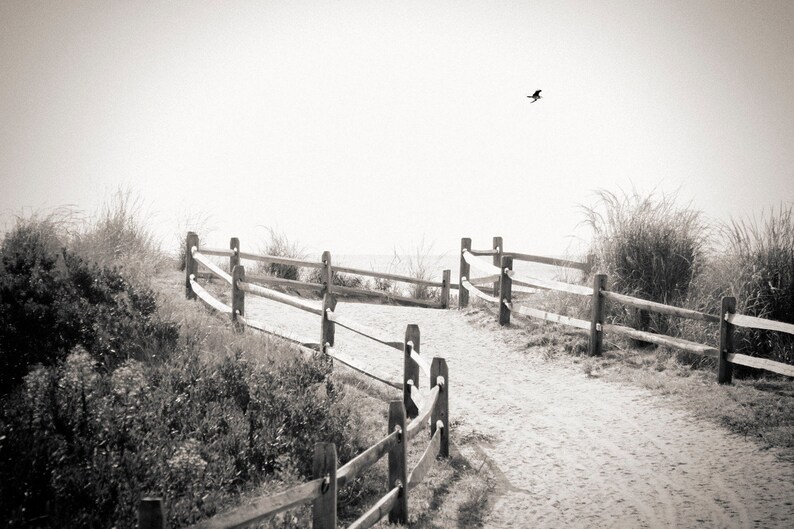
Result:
[[568, 450]]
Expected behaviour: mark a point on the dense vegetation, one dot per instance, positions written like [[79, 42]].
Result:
[[653, 249], [111, 392]]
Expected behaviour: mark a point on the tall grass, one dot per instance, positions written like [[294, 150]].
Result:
[[761, 255], [649, 247], [278, 244], [422, 265], [118, 236]]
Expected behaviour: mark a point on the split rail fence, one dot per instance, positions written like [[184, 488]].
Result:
[[500, 274], [407, 417]]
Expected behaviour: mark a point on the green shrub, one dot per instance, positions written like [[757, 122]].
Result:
[[52, 300], [79, 445], [649, 248]]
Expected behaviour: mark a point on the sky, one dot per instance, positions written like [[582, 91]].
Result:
[[368, 127]]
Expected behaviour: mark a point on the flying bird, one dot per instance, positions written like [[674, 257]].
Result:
[[535, 96]]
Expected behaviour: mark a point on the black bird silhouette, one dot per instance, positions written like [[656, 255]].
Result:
[[535, 96]]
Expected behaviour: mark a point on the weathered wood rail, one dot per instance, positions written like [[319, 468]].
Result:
[[328, 477], [504, 280]]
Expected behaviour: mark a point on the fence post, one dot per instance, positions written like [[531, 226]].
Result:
[[597, 311], [238, 295], [191, 266], [324, 466], [445, 289], [441, 410], [398, 463], [497, 260], [410, 369], [505, 293], [725, 368], [150, 514], [463, 294], [234, 245], [327, 329]]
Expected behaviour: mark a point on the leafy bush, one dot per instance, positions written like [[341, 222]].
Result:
[[649, 248], [52, 300], [79, 446]]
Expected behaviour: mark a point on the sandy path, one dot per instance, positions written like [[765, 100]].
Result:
[[572, 451]]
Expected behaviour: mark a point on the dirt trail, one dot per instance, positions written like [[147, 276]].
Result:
[[573, 451]]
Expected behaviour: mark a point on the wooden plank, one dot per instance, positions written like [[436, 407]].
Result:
[[660, 308], [761, 363], [191, 266], [423, 364], [483, 267], [479, 281], [278, 296], [740, 320], [439, 419], [426, 461], [349, 362], [207, 298], [477, 292], [150, 514], [597, 314], [498, 246], [289, 283], [549, 316], [725, 367], [553, 285], [384, 275], [265, 507], [482, 253], [365, 459], [565, 263], [217, 252], [411, 345], [280, 260], [446, 276], [662, 339], [396, 300], [463, 273], [420, 421], [212, 267], [398, 463], [377, 511], [505, 290], [324, 468], [363, 330]]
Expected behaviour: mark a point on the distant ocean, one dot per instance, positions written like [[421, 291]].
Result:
[[438, 263]]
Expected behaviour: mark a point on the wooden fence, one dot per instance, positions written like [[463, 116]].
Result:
[[328, 477], [347, 293], [505, 280]]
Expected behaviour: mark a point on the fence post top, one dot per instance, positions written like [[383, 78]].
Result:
[[326, 257]]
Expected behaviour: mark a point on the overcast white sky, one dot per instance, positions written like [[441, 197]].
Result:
[[363, 126]]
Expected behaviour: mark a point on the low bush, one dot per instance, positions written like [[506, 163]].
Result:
[[52, 300], [79, 446]]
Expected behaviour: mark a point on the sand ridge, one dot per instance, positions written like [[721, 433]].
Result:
[[571, 451]]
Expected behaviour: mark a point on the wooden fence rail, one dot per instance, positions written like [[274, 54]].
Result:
[[599, 294], [328, 478], [235, 255]]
